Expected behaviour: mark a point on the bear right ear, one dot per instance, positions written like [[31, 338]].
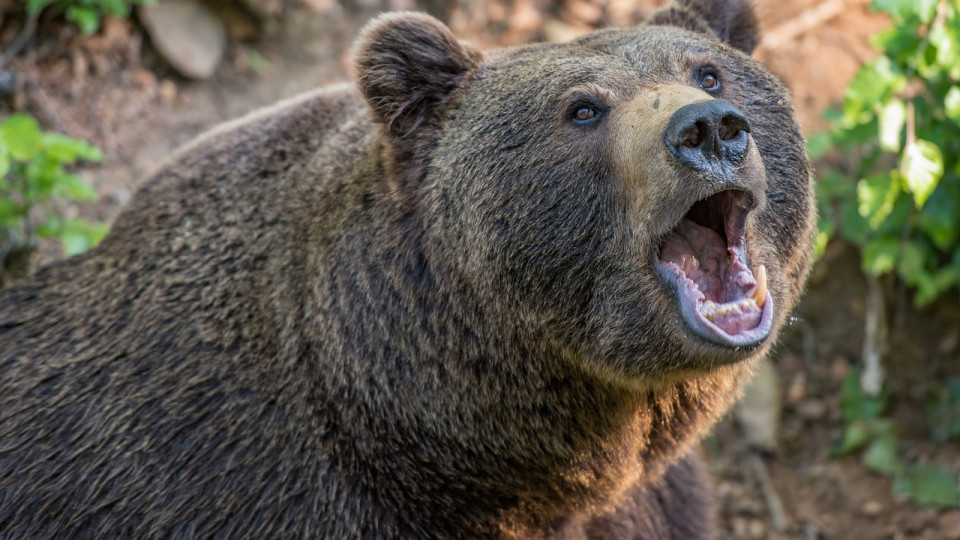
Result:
[[408, 65], [732, 21]]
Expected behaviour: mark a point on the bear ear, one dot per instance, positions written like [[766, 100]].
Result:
[[408, 65], [733, 21]]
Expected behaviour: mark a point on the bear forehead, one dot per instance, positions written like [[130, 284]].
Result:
[[618, 57]]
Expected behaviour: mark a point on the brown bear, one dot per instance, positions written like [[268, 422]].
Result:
[[477, 295]]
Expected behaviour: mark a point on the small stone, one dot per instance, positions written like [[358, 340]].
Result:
[[872, 508], [144, 78], [797, 389], [167, 92], [187, 34], [756, 529], [950, 525], [839, 368]]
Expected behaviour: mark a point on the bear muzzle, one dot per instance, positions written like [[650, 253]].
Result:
[[709, 137], [696, 178]]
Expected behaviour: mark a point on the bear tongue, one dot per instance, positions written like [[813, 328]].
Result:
[[701, 253]]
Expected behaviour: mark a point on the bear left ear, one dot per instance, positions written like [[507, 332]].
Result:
[[408, 65], [733, 21]]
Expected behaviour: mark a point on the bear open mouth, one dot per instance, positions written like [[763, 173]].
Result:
[[705, 259]]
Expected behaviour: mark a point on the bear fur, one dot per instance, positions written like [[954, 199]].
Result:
[[424, 306]]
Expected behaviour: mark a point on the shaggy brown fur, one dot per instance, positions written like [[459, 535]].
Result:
[[422, 310]]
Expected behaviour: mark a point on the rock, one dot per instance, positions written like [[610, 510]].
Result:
[[758, 412], [950, 525], [187, 34]]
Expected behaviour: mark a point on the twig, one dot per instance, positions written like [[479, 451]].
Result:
[[875, 338], [28, 28], [805, 22], [777, 516]]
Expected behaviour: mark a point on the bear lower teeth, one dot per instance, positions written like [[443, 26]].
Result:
[[713, 311]]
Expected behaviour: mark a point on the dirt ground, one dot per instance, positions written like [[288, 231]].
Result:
[[115, 90]]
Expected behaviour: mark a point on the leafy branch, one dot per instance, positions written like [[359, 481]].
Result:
[[32, 178], [901, 115]]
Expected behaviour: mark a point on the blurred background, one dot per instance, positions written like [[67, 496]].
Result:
[[850, 431]]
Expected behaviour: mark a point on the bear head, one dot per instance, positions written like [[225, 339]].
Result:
[[638, 198]]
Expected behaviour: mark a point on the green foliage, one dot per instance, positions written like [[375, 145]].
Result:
[[876, 437], [86, 14], [32, 177], [901, 117]]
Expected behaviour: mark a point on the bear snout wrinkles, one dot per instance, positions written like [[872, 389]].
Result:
[[708, 135]]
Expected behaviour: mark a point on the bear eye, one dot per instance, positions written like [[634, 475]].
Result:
[[585, 114], [709, 80]]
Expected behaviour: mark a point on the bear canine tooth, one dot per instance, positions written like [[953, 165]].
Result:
[[759, 293]]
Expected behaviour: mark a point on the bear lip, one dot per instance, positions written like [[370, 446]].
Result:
[[704, 261]]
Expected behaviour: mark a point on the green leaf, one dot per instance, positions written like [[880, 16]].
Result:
[[930, 286], [856, 405], [855, 436], [880, 256], [928, 484], [893, 116], [20, 133], [79, 235], [903, 211], [853, 227], [912, 261], [42, 176], [881, 455], [818, 144], [922, 169], [951, 103], [88, 19], [11, 213], [876, 196], [50, 228], [70, 186], [948, 50], [940, 218], [903, 10], [874, 83], [117, 8], [68, 150], [820, 243]]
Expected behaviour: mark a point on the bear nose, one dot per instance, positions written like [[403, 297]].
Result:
[[706, 134]]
